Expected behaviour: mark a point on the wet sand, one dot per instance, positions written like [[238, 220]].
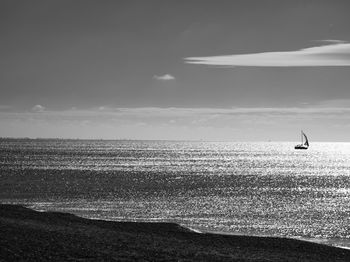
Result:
[[29, 235]]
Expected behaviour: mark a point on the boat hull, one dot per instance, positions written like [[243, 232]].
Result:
[[300, 147]]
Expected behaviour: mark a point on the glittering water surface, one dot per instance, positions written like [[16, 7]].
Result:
[[248, 188]]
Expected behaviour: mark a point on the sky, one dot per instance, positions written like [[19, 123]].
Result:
[[224, 70]]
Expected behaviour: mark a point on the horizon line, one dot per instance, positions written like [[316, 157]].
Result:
[[175, 140]]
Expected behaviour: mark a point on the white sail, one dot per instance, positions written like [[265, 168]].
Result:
[[306, 143]]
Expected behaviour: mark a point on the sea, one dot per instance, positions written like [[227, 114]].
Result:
[[264, 189]]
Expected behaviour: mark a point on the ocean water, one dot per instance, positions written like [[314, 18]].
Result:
[[241, 188]]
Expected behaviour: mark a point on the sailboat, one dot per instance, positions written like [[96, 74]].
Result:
[[304, 142]]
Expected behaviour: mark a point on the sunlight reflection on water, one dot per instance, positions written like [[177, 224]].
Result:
[[255, 188]]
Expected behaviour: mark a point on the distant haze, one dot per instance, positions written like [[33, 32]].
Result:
[[186, 69]]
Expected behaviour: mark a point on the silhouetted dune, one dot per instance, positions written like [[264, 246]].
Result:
[[26, 234]]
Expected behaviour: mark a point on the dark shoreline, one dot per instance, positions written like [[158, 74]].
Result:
[[28, 235]]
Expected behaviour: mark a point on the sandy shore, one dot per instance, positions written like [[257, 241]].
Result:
[[48, 236]]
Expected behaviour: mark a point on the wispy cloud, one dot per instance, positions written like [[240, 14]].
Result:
[[336, 53], [38, 108], [177, 123], [183, 114], [166, 77], [333, 103], [332, 41]]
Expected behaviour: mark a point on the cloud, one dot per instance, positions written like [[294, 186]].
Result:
[[336, 53], [166, 77], [179, 123], [332, 41], [38, 108], [173, 114], [145, 112], [334, 103]]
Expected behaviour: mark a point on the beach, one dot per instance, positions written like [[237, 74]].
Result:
[[28, 235]]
